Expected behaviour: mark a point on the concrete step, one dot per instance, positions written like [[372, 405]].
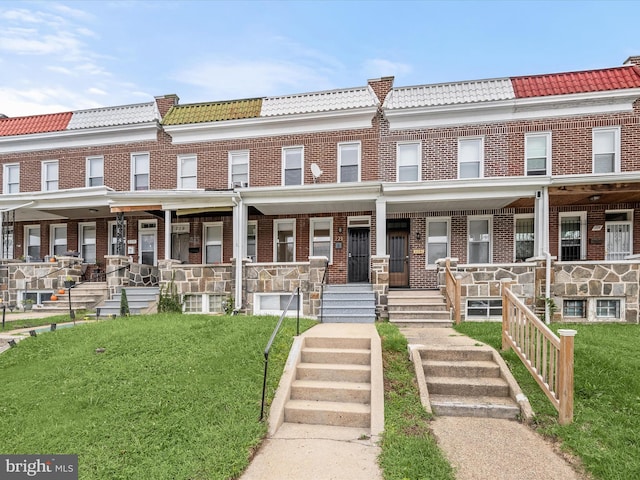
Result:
[[416, 300], [417, 307], [106, 311], [483, 386], [481, 406], [338, 342], [408, 323], [414, 293], [348, 302], [348, 311], [448, 368], [462, 354], [333, 372], [353, 318], [348, 296], [343, 414], [349, 287], [419, 315], [131, 302], [335, 355], [353, 392]]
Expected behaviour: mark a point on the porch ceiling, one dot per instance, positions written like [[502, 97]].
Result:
[[426, 205], [610, 193]]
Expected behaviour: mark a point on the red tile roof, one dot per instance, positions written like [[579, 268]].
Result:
[[53, 122], [576, 82]]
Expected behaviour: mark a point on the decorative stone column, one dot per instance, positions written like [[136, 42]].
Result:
[[380, 282], [116, 273], [316, 275]]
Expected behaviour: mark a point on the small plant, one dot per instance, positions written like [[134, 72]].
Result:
[[228, 305], [553, 308], [170, 299], [124, 304]]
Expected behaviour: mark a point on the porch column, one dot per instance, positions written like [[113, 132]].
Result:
[[167, 234], [240, 215], [541, 222], [381, 226]]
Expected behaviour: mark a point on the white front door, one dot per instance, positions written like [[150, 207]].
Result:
[[617, 240], [148, 242]]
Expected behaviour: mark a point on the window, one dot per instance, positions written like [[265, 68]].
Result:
[[140, 171], [7, 241], [608, 308], [239, 169], [292, 164], [252, 240], [572, 235], [204, 303], [32, 242], [50, 175], [484, 308], [213, 242], [187, 172], [87, 242], [524, 239], [573, 308], [538, 153], [11, 176], [606, 150], [274, 304], [479, 240], [437, 240], [113, 238], [95, 171], [147, 242], [284, 242], [192, 303], [408, 157], [321, 237], [348, 162], [470, 158], [58, 240]]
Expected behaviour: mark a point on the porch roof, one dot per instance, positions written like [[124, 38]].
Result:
[[181, 201]]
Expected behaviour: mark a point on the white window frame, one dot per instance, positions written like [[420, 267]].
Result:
[[243, 156], [215, 242], [429, 266], [81, 240], [181, 174], [7, 186], [284, 163], [203, 302], [112, 239], [142, 230], [89, 161], [46, 181], [52, 238], [276, 223], [312, 223], [134, 173], [629, 213], [489, 220], [621, 308], [283, 297], [417, 146], [480, 159], [252, 223], [616, 147], [548, 138], [583, 234], [342, 145], [522, 216], [27, 228], [488, 316]]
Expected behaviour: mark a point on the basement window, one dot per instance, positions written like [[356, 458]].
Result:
[[204, 303], [574, 308], [274, 304], [608, 308], [484, 308]]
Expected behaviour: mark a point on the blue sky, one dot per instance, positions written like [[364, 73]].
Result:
[[69, 55]]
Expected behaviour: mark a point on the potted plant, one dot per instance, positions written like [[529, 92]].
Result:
[[69, 282], [27, 304]]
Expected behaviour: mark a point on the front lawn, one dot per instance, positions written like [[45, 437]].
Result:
[[171, 397], [605, 433]]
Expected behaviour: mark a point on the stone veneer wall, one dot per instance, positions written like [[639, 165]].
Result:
[[380, 283], [191, 279], [277, 277], [117, 273], [141, 275]]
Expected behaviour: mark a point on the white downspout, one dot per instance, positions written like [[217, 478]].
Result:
[[239, 223], [167, 234], [547, 287]]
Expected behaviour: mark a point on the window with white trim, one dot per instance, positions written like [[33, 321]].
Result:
[[471, 157], [50, 175], [607, 308], [606, 150], [11, 178], [239, 169], [284, 241], [348, 162], [7, 242], [58, 241], [321, 236], [113, 238], [479, 235], [409, 161], [484, 308], [95, 171], [438, 244], [524, 237], [537, 153], [204, 303], [140, 166], [572, 236], [212, 242], [87, 241], [187, 172], [32, 242], [274, 304], [252, 240], [292, 165]]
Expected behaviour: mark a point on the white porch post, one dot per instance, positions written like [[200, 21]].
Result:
[[545, 220], [381, 226], [240, 214], [167, 234], [541, 222]]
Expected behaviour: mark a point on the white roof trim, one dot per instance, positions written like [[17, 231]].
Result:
[[174, 199]]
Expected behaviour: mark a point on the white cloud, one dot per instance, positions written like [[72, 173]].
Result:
[[34, 101], [59, 69], [96, 91], [379, 67]]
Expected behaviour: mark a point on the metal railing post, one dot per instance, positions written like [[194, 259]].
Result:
[[298, 313], [264, 383]]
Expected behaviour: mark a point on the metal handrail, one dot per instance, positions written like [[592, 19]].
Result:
[[295, 293], [322, 284]]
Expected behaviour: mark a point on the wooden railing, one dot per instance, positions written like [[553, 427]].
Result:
[[452, 291], [548, 358]]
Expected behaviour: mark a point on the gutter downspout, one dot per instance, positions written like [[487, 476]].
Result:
[[238, 221], [547, 287]]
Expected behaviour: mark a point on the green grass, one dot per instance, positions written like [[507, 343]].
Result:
[[409, 451], [35, 322], [172, 397], [605, 433]]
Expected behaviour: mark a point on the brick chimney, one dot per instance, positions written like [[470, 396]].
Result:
[[635, 60], [165, 102], [381, 87]]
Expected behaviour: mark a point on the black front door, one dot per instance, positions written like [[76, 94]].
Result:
[[358, 265]]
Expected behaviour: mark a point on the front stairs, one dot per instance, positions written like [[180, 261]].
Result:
[[418, 308], [140, 300], [348, 303], [84, 296]]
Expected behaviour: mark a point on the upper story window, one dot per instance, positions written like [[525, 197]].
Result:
[[284, 242], [321, 237], [538, 153], [95, 171], [50, 175], [408, 162], [471, 157], [606, 150], [479, 240], [11, 178], [213, 242], [349, 162], [139, 171], [58, 241], [187, 172], [292, 165], [239, 169]]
